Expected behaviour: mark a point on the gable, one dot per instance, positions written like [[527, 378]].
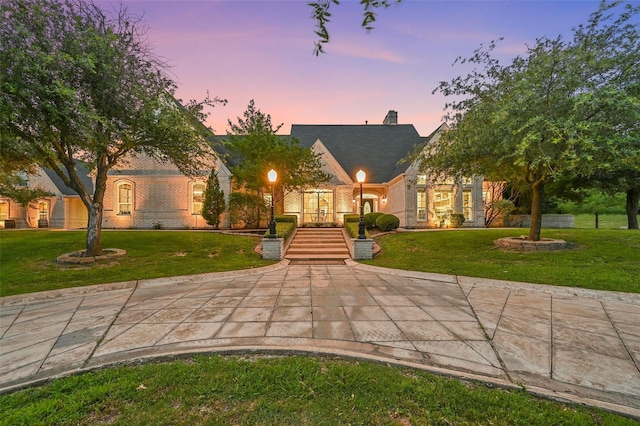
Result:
[[330, 165], [376, 149]]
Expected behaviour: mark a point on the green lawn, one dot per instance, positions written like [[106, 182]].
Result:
[[293, 390], [604, 259], [27, 257], [601, 259], [605, 221]]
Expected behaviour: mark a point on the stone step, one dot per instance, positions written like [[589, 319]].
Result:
[[320, 233], [318, 241], [318, 244], [317, 256], [318, 252]]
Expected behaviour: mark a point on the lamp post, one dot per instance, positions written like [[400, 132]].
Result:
[[360, 177], [272, 175]]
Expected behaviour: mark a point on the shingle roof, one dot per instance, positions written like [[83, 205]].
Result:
[[374, 148], [83, 173]]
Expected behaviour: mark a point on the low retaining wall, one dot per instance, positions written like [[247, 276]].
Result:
[[548, 221], [522, 244]]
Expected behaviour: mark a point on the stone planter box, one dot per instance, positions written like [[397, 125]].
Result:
[[272, 248], [522, 244], [362, 249]]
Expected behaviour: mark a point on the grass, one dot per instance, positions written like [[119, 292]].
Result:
[[605, 221], [27, 257], [601, 259], [265, 390]]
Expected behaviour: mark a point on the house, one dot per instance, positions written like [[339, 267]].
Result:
[[64, 209], [392, 184], [145, 193]]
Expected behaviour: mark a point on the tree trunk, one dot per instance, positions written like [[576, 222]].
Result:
[[537, 189], [94, 231], [633, 196]]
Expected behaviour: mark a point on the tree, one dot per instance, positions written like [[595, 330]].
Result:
[[255, 148], [213, 205], [321, 14], [76, 84], [564, 109]]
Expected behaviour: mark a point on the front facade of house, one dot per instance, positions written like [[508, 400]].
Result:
[[391, 185], [145, 193]]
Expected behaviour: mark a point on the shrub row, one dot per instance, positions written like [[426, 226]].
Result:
[[382, 221], [285, 225]]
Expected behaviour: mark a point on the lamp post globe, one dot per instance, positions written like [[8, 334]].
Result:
[[272, 175], [360, 176]]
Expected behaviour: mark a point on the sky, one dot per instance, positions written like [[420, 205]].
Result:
[[241, 50]]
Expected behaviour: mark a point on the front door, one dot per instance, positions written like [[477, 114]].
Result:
[[368, 205]]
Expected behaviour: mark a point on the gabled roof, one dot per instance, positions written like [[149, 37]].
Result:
[[83, 173], [374, 148]]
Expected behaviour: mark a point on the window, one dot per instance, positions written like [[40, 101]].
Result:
[[4, 210], [467, 204], [421, 180], [421, 203], [318, 206], [43, 210], [443, 205], [124, 198], [197, 198]]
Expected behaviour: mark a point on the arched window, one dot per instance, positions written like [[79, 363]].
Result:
[[124, 198], [4, 210], [197, 198]]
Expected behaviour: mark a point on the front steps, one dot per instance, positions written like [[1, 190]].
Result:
[[318, 245]]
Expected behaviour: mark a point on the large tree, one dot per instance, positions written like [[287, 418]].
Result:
[[255, 147], [566, 108], [77, 84]]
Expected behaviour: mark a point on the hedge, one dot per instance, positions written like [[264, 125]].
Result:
[[351, 218], [370, 219], [387, 222]]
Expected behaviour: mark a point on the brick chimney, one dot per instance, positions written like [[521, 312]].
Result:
[[391, 118]]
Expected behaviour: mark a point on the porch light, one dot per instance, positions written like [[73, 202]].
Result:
[[384, 199], [360, 176], [272, 176]]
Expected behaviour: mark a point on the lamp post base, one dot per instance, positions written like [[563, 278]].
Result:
[[362, 249]]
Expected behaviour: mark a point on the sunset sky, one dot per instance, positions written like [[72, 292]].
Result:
[[262, 50]]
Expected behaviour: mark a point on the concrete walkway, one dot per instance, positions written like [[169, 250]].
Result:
[[566, 343]]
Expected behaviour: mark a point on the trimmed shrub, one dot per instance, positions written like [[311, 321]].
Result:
[[370, 219], [351, 218], [287, 218], [456, 219], [387, 222], [283, 229], [352, 230]]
